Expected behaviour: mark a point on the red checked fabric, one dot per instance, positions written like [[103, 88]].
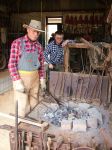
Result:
[[15, 55]]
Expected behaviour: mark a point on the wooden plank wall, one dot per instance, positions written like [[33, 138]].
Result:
[[75, 86]]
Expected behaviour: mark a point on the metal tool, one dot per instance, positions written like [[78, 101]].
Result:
[[44, 141], [87, 89], [19, 141], [93, 91], [22, 140], [99, 92], [29, 139], [16, 124], [55, 100]]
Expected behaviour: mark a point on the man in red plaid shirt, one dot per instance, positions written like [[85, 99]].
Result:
[[26, 67]]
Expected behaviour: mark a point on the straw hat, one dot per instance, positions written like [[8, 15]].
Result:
[[34, 24]]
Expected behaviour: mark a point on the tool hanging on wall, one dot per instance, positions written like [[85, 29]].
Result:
[[109, 18], [66, 23], [79, 87], [42, 36], [3, 35]]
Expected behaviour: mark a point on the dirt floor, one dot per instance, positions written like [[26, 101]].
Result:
[[6, 106], [4, 73]]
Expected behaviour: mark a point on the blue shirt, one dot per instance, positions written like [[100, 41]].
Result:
[[54, 53]]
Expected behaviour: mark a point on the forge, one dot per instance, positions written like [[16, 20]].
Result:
[[84, 108], [77, 108], [77, 123]]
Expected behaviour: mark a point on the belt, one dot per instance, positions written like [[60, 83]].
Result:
[[28, 72]]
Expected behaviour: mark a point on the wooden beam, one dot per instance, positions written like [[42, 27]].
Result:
[[78, 45], [66, 59], [87, 45], [106, 45], [35, 123]]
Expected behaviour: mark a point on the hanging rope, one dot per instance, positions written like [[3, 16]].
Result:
[[18, 8], [41, 11], [41, 19]]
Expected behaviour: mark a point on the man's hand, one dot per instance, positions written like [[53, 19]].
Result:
[[50, 66], [65, 43], [18, 85], [43, 84]]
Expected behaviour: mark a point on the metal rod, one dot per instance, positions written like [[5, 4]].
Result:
[[16, 124]]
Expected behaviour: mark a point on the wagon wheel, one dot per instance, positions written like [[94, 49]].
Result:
[[3, 62]]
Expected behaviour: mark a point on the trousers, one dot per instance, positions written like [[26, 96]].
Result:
[[28, 100]]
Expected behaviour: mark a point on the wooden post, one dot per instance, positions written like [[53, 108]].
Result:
[[66, 59]]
